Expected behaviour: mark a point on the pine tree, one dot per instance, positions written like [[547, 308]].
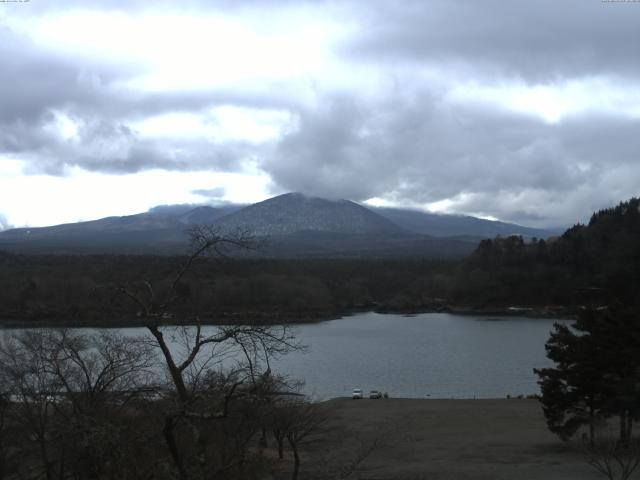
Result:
[[596, 373]]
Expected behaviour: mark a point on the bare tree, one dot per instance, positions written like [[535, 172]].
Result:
[[77, 399], [99, 374], [32, 389], [297, 421], [612, 458], [97, 369], [239, 354], [279, 393], [67, 393]]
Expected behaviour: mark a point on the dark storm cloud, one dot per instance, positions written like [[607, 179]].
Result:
[[142, 154], [489, 162], [417, 145], [421, 148], [328, 150], [541, 40], [211, 193], [115, 148], [34, 80]]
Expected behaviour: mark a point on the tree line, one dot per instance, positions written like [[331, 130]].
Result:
[[70, 290], [593, 262]]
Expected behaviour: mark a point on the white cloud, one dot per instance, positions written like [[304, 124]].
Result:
[[192, 51], [555, 100], [226, 123], [38, 200]]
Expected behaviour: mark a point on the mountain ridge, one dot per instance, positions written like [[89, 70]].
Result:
[[296, 225], [447, 225], [295, 212]]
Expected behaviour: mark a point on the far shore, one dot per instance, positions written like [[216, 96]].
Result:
[[279, 318]]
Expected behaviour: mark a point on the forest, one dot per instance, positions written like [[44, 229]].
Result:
[[588, 264], [75, 290]]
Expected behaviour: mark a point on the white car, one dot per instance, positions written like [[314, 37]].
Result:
[[357, 394], [375, 394]]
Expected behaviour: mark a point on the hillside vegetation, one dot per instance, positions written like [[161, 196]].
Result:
[[592, 263]]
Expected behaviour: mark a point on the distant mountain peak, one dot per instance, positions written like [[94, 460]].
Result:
[[296, 212], [297, 224], [302, 197]]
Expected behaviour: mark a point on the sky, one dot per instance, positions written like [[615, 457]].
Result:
[[523, 111]]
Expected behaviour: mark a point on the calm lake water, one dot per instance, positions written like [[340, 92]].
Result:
[[433, 354], [438, 355]]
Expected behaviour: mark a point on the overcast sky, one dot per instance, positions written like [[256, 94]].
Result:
[[525, 111]]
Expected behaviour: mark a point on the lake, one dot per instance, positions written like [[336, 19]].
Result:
[[433, 354], [436, 355]]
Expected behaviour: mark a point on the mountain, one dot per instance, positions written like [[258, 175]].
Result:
[[441, 225], [293, 225], [294, 212], [160, 230]]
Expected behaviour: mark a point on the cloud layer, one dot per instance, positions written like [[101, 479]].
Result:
[[523, 111]]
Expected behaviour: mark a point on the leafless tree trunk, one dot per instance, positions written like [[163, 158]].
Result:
[[280, 436], [297, 421], [296, 458], [248, 347]]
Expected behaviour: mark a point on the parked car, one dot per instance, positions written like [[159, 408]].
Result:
[[357, 394], [375, 394]]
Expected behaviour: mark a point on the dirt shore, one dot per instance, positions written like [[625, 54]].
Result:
[[444, 439]]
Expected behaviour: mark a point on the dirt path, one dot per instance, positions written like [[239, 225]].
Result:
[[447, 439]]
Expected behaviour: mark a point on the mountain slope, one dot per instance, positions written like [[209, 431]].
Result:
[[294, 212], [440, 225], [295, 225], [160, 230]]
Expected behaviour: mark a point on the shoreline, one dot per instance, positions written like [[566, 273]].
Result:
[[289, 318], [510, 398]]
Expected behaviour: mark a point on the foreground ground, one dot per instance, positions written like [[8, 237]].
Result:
[[442, 439]]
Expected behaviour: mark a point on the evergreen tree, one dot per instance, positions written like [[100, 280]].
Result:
[[596, 373]]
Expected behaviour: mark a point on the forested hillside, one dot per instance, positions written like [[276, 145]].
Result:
[[588, 264], [79, 289]]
